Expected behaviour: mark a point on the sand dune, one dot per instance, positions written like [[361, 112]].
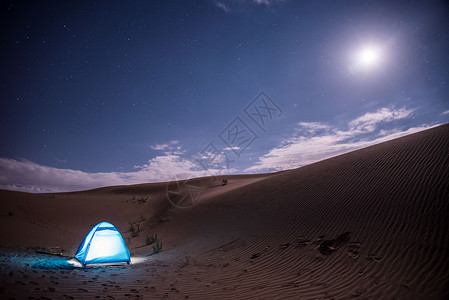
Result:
[[370, 224]]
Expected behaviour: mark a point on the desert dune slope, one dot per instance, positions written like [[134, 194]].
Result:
[[369, 224]]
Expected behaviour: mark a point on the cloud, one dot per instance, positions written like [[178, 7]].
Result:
[[168, 146], [267, 2], [369, 121], [316, 141], [159, 146], [230, 6], [313, 127], [445, 112], [27, 176], [231, 148], [223, 6]]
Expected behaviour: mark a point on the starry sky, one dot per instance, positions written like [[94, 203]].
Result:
[[99, 93]]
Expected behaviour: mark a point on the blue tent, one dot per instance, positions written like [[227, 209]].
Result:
[[103, 245]]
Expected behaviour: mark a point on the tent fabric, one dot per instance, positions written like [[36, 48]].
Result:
[[103, 245]]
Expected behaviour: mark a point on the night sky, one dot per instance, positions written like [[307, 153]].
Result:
[[121, 92]]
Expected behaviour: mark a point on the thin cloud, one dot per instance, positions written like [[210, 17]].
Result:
[[317, 141], [369, 121], [167, 146], [313, 127], [159, 146], [267, 2], [230, 6], [231, 148], [223, 6], [445, 112]]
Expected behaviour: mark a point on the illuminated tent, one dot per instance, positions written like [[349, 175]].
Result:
[[103, 245]]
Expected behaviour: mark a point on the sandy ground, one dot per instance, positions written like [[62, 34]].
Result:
[[370, 224]]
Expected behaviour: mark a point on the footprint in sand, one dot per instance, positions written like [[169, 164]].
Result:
[[130, 296], [291, 284], [354, 249], [284, 246], [318, 240], [302, 243], [358, 292], [374, 257], [327, 247]]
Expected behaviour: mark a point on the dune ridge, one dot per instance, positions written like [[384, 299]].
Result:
[[367, 224]]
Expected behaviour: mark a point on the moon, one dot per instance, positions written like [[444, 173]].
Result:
[[368, 56]]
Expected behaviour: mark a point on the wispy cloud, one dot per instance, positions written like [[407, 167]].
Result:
[[24, 175], [231, 148], [267, 2], [445, 112], [223, 6], [369, 121], [316, 141], [313, 127], [230, 6], [168, 146]]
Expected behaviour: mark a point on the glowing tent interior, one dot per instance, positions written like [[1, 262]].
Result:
[[103, 245]]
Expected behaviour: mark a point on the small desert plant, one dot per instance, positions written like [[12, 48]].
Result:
[[157, 247], [225, 181], [185, 262], [151, 239], [134, 230], [142, 200]]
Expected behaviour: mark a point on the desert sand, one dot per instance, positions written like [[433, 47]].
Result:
[[370, 224]]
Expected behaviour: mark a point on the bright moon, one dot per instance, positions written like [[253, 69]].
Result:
[[368, 56]]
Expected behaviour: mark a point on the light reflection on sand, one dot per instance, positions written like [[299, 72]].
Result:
[[53, 262]]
